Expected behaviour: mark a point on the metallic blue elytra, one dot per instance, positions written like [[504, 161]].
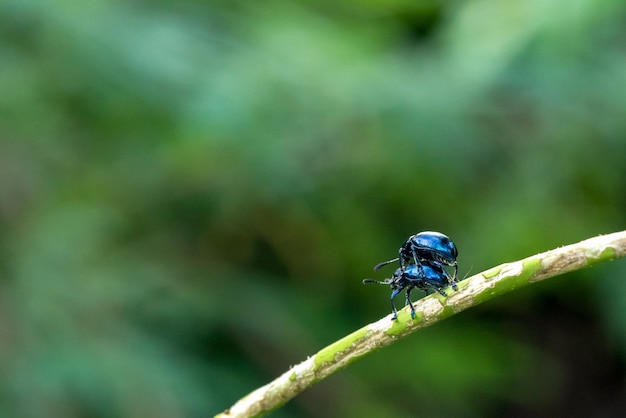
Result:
[[428, 276], [434, 277], [426, 247]]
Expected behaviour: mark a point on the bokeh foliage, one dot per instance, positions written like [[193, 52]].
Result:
[[191, 193]]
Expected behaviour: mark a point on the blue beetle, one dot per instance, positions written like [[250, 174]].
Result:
[[426, 247], [430, 276]]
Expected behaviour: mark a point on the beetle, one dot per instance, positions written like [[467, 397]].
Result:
[[431, 276], [426, 247]]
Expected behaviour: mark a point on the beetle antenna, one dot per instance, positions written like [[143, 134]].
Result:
[[366, 281], [384, 263]]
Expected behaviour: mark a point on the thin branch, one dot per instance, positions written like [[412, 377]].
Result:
[[429, 310]]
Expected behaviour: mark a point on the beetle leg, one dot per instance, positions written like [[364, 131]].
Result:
[[435, 288], [393, 306], [420, 271], [408, 301], [451, 280], [402, 260]]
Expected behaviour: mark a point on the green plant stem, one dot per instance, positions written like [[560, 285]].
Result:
[[429, 310]]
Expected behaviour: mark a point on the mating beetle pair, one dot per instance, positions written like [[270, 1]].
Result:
[[422, 259]]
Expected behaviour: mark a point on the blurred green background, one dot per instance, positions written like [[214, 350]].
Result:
[[192, 192]]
